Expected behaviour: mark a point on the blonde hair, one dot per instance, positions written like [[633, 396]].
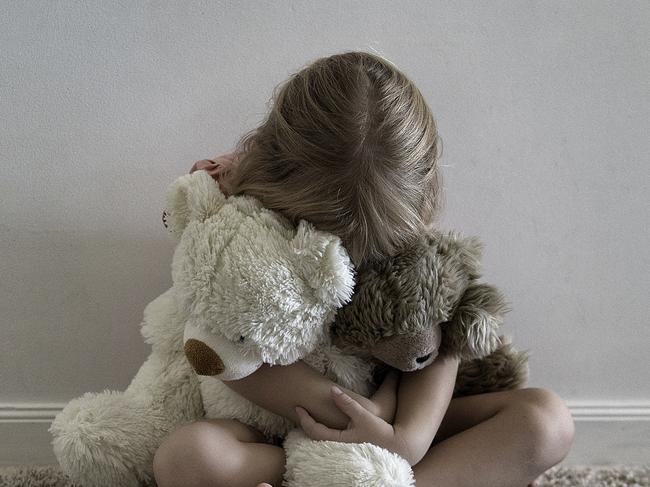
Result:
[[351, 146]]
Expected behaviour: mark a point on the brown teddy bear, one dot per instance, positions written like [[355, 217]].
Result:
[[426, 301]]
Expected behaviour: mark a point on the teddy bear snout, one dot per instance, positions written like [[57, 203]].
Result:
[[204, 360], [424, 358], [409, 352]]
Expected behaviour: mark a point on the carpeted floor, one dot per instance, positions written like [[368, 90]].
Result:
[[620, 476]]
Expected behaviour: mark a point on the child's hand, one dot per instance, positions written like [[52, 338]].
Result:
[[385, 398], [363, 427], [216, 165]]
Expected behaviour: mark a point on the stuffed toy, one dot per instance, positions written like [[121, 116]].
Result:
[[294, 276], [427, 300], [254, 288], [262, 289]]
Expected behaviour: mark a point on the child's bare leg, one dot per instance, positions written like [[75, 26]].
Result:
[[498, 439], [216, 453]]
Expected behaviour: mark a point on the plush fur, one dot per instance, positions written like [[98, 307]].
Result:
[[260, 290], [329, 463], [503, 369], [400, 295], [424, 301]]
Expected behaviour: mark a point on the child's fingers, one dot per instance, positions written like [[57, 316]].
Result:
[[316, 431], [203, 164], [355, 411], [225, 158]]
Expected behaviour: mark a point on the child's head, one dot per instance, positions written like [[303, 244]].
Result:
[[351, 146]]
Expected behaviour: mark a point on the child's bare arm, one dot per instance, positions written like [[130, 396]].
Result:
[[423, 399], [281, 388]]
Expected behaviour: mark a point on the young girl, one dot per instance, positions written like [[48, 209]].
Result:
[[351, 145]]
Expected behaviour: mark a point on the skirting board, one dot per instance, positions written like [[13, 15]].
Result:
[[607, 433]]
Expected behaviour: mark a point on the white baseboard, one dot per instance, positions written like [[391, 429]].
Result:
[[610, 410], [24, 438], [29, 412], [607, 433], [610, 433]]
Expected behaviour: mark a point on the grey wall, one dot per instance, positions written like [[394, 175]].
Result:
[[542, 106]]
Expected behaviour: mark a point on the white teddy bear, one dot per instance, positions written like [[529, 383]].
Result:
[[248, 288], [253, 288]]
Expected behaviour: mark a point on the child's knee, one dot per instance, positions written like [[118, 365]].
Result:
[[165, 462], [190, 457], [170, 462], [551, 426]]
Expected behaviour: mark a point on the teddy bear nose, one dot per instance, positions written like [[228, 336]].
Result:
[[423, 359], [203, 359]]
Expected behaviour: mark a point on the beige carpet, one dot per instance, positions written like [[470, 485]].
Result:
[[619, 476]]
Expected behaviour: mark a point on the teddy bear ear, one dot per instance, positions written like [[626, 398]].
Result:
[[472, 331], [467, 250], [472, 252], [193, 196], [326, 266]]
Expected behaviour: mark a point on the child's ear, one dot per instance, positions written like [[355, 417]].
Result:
[[193, 196], [325, 264], [472, 331]]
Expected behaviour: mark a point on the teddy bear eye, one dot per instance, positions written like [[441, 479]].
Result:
[[241, 338]]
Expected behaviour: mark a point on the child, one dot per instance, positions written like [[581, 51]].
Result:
[[351, 145]]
